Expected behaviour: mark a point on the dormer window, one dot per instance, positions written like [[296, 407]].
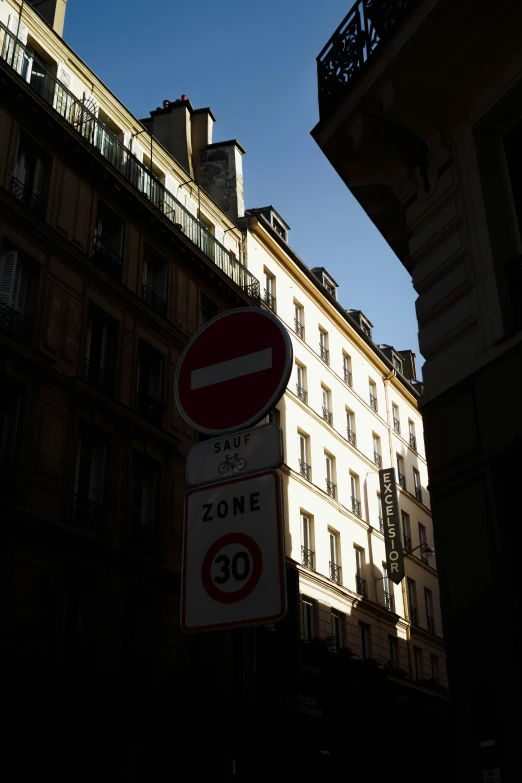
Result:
[[330, 287], [279, 228], [365, 326], [397, 363]]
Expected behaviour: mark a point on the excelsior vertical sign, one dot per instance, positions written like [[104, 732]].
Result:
[[392, 530]]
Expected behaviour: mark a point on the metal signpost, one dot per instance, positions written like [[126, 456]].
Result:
[[392, 529]]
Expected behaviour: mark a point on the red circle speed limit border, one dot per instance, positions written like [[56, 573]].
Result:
[[210, 585]]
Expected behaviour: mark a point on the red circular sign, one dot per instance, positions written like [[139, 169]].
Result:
[[233, 371], [230, 570]]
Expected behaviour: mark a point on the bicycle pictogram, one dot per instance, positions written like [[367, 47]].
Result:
[[233, 463]]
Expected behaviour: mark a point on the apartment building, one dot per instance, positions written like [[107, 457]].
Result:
[[420, 114]]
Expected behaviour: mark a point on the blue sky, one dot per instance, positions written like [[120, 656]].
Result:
[[254, 65]]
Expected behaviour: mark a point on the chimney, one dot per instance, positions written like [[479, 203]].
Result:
[[221, 175], [171, 126], [202, 124], [408, 364], [53, 11]]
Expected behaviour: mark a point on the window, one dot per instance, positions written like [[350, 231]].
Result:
[[412, 601], [350, 426], [347, 369], [89, 482], [434, 661], [150, 385], [365, 326], [329, 285], [417, 485], [144, 503], [373, 395], [308, 620], [100, 350], [411, 431], [337, 630], [155, 284], [108, 241], [269, 297], [428, 602], [279, 228], [392, 652], [304, 466], [417, 663], [396, 419], [323, 346], [365, 637], [307, 554], [377, 450], [209, 309], [335, 568], [300, 387], [406, 531], [299, 319], [14, 283], [330, 477], [32, 174], [360, 581], [388, 589], [423, 541], [326, 408], [354, 489], [379, 509], [9, 414], [401, 478], [36, 71]]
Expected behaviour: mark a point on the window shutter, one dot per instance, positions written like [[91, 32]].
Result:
[[15, 53], [39, 177], [161, 281], [192, 206], [20, 289], [219, 235], [64, 76], [62, 102], [97, 477], [20, 170], [8, 267], [155, 379], [148, 499]]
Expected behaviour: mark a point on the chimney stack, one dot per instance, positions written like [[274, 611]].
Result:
[[171, 126], [221, 175], [53, 11], [202, 124]]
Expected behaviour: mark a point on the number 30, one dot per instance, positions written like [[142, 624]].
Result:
[[240, 574]]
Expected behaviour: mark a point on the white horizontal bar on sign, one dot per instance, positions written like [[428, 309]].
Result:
[[233, 368]]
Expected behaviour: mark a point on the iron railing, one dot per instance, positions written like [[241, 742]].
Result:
[[88, 507], [389, 602], [100, 377], [331, 488], [24, 194], [367, 24], [373, 402], [406, 542], [356, 507], [323, 352], [402, 480], [150, 408], [431, 624], [351, 436], [397, 426], [347, 377], [107, 258], [418, 494], [327, 415], [381, 524], [360, 585], [14, 323], [301, 392], [77, 114], [299, 328], [269, 300], [414, 615], [413, 441], [335, 572], [154, 300], [304, 469], [377, 459], [307, 557]]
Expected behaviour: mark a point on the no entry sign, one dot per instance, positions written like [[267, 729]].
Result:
[[233, 371], [233, 554]]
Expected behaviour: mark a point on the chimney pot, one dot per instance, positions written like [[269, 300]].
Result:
[[184, 98]]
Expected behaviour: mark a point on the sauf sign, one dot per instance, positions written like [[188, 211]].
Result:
[[392, 530]]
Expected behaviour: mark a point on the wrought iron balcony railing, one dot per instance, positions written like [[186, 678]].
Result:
[[269, 300], [431, 624], [356, 507], [307, 558], [14, 322], [88, 507], [324, 353], [24, 194], [418, 494], [397, 426], [406, 542], [347, 377], [301, 392], [100, 377], [304, 469], [351, 436], [413, 442], [381, 524], [402, 479], [331, 488], [327, 415], [154, 300], [414, 615], [389, 602], [377, 459], [373, 402], [77, 114], [367, 24], [107, 258], [335, 573], [361, 586], [299, 328], [150, 408]]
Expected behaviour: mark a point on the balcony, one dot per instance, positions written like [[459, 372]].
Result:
[[431, 624], [151, 409], [377, 459], [414, 615], [153, 300], [348, 377], [367, 24], [327, 416], [361, 586], [397, 426], [418, 494], [88, 508], [24, 194], [14, 323], [401, 479], [99, 377], [356, 507], [299, 329], [381, 524], [307, 558], [389, 602], [301, 392], [331, 488], [269, 300], [107, 258], [413, 442], [324, 353], [77, 115], [335, 573], [304, 469], [373, 402], [351, 436]]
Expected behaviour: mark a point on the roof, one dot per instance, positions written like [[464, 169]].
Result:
[[322, 269], [260, 210]]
